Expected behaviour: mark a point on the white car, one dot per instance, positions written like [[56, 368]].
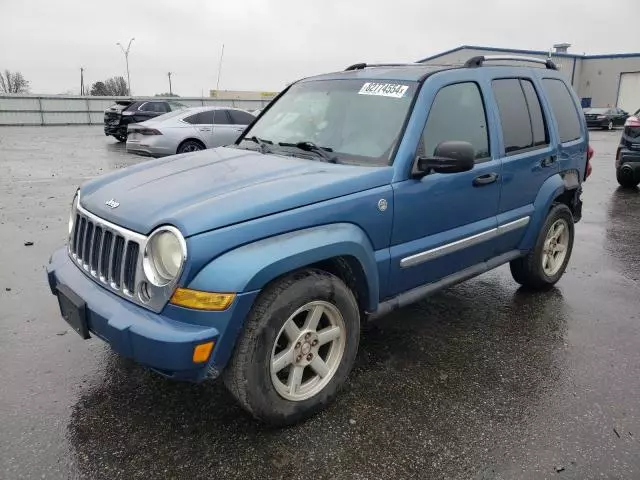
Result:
[[187, 130]]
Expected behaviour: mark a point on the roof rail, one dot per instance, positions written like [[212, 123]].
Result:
[[479, 60], [360, 66]]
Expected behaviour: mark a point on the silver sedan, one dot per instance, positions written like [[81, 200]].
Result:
[[187, 130]]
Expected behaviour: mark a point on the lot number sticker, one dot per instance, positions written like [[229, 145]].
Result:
[[384, 89]]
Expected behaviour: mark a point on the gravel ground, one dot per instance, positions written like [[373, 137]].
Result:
[[482, 381]]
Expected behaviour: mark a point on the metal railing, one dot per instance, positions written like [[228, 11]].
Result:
[[21, 110]]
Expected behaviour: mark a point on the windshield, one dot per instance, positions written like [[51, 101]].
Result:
[[359, 121]]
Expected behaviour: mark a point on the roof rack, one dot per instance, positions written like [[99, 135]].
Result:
[[479, 60], [360, 66]]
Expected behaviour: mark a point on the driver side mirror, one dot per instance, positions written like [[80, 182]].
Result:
[[448, 157]]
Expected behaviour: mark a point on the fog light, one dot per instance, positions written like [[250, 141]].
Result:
[[202, 352], [198, 300]]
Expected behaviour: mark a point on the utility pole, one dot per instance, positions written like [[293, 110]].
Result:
[[170, 91], [126, 58], [82, 81]]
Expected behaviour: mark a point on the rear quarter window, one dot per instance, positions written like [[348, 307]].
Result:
[[564, 109]]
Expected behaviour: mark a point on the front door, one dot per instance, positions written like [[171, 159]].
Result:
[[444, 223]]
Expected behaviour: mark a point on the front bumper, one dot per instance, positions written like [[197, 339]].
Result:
[[163, 342], [119, 130]]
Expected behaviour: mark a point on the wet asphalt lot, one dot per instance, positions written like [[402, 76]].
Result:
[[482, 381]]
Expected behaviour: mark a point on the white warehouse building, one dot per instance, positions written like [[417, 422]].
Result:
[[599, 80]]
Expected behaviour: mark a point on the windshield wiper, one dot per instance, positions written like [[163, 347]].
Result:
[[312, 147], [263, 144]]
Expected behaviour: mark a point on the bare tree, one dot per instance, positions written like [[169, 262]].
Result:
[[13, 82], [111, 87]]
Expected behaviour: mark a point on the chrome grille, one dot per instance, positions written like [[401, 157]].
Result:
[[106, 252]]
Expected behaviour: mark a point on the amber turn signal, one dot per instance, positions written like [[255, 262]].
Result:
[[202, 352], [198, 300]]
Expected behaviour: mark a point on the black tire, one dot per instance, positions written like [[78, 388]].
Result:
[[627, 178], [528, 270], [120, 138], [609, 126], [190, 146], [248, 375]]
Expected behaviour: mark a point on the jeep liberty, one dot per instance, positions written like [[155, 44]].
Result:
[[351, 195]]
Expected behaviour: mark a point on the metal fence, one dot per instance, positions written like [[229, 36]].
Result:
[[76, 110]]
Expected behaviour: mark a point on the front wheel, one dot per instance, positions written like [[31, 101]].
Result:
[[543, 266], [120, 138], [297, 348]]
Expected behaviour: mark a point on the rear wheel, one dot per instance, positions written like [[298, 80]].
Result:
[[609, 126], [543, 266], [297, 348], [190, 146], [626, 177]]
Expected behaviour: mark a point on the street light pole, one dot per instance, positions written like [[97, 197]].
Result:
[[126, 58], [170, 91]]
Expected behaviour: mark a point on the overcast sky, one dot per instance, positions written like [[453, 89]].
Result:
[[269, 43]]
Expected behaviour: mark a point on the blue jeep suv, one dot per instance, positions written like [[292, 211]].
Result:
[[353, 194]]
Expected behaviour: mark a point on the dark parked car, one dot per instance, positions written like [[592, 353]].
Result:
[[124, 112], [607, 118], [628, 156]]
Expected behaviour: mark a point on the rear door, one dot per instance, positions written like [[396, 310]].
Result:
[[528, 151], [224, 131], [202, 123], [562, 107]]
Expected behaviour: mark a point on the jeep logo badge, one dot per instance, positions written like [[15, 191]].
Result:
[[112, 203]]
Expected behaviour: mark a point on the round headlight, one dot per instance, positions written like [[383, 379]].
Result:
[[164, 255], [72, 215]]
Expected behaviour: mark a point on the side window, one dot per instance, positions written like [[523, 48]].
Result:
[[241, 118], [146, 107], [538, 125], [163, 107], [564, 109], [202, 118], [220, 117], [517, 130], [457, 113]]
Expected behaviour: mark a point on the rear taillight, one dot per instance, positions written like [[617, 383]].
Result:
[[632, 122], [590, 152], [149, 131]]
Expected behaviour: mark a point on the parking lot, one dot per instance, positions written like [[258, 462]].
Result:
[[481, 381]]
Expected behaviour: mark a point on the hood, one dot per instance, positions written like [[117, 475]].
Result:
[[210, 189]]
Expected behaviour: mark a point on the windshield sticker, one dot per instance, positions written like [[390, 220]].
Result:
[[384, 89]]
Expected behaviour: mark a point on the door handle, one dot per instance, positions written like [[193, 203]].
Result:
[[547, 162], [485, 179]]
